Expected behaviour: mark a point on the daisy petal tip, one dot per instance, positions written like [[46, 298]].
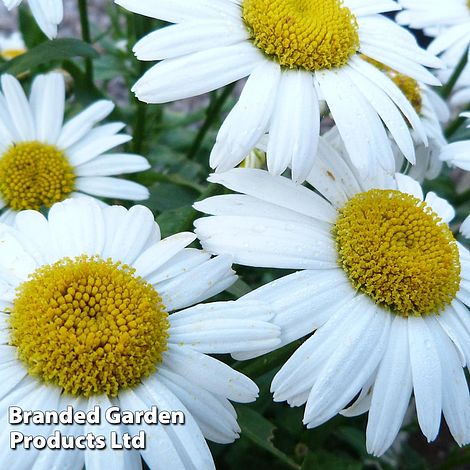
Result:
[[139, 193]]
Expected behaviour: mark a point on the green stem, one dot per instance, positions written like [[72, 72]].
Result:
[[454, 126], [213, 113], [86, 36], [139, 127], [140, 29], [449, 86]]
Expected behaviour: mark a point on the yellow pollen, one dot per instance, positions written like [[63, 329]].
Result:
[[89, 326], [33, 175], [394, 248], [9, 54], [306, 34], [409, 86]]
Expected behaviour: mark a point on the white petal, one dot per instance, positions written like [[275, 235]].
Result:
[[113, 164], [465, 227], [108, 457], [189, 37], [197, 73], [160, 253], [48, 15], [76, 228], [186, 259], [388, 112], [291, 296], [160, 450], [427, 375], [408, 185], [127, 232], [390, 88], [47, 103], [346, 370], [18, 107], [83, 152], [209, 373], [352, 112], [455, 394], [197, 284], [81, 124], [214, 415], [249, 118], [225, 327], [295, 126], [442, 208], [107, 186], [276, 190], [265, 242], [392, 391], [176, 11], [187, 438]]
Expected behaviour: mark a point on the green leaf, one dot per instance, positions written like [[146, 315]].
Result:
[[47, 52], [355, 438], [268, 362], [177, 220], [32, 35], [261, 432], [326, 461], [168, 196]]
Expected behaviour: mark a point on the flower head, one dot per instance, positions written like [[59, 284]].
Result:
[[295, 53], [382, 282], [44, 161], [448, 23], [96, 309]]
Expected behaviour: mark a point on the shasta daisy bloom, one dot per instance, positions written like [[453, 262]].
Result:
[[96, 309], [381, 281], [43, 160], [11, 46], [47, 13], [448, 22], [294, 53], [458, 153], [433, 112]]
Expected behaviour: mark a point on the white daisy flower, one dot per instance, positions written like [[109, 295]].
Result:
[[383, 284], [448, 21], [43, 160], [47, 13], [11, 46], [433, 111], [458, 153], [465, 227], [295, 54], [85, 298]]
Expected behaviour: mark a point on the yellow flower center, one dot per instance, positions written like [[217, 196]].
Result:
[[33, 174], [394, 248], [409, 86], [89, 326], [306, 34], [9, 54]]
